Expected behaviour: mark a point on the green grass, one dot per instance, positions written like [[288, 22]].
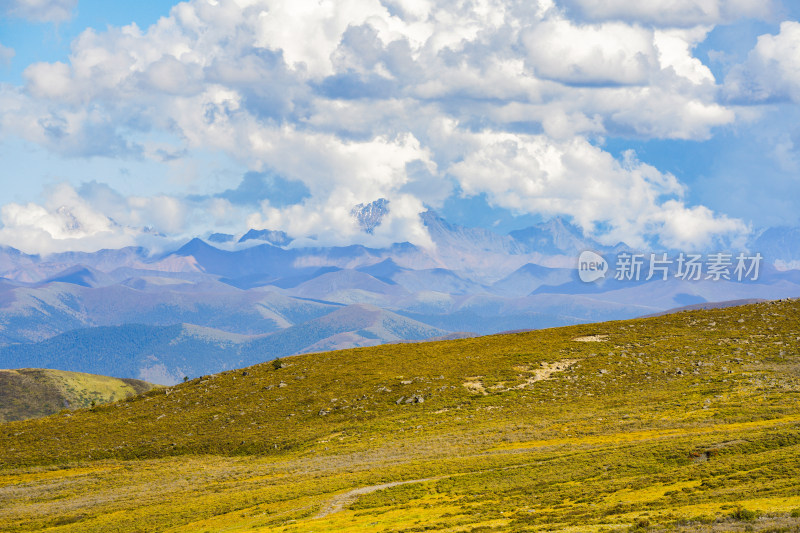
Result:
[[34, 392], [686, 422]]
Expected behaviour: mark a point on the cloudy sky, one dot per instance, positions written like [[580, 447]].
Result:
[[665, 123]]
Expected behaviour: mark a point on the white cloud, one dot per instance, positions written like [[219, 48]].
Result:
[[341, 175], [675, 52], [280, 23], [66, 222], [772, 69], [612, 53], [631, 201], [69, 130], [696, 228], [48, 80], [671, 13], [350, 111], [39, 10], [653, 112], [366, 170], [330, 222], [95, 216]]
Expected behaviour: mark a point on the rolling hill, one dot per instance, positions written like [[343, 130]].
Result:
[[683, 422], [35, 392]]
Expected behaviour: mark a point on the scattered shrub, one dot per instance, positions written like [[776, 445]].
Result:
[[744, 514]]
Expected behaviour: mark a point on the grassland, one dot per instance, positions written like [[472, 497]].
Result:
[[35, 392], [686, 422]]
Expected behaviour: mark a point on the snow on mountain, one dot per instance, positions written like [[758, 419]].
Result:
[[370, 216]]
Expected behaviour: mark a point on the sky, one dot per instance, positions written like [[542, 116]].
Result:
[[667, 123]]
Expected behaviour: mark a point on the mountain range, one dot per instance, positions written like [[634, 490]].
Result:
[[222, 302]]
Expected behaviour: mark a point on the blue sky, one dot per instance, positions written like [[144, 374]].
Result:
[[37, 40], [671, 123]]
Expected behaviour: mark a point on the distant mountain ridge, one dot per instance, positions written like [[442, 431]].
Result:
[[165, 354], [780, 244], [277, 238], [285, 299]]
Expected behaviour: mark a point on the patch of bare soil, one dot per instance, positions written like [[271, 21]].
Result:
[[591, 338]]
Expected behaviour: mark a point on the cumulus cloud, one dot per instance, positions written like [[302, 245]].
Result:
[[211, 68], [332, 223], [356, 112], [340, 175], [616, 201], [65, 222], [69, 130], [771, 71], [675, 52], [94, 216], [612, 53], [39, 10]]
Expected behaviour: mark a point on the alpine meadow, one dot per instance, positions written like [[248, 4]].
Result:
[[391, 266], [684, 422]]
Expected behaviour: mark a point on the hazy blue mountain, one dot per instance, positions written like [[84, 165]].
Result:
[[384, 271], [298, 276], [276, 238], [467, 240], [164, 354], [348, 287], [365, 325], [220, 238], [18, 265], [779, 244], [553, 237], [81, 275], [36, 313], [438, 280], [529, 278]]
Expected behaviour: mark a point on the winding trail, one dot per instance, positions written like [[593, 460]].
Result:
[[340, 501]]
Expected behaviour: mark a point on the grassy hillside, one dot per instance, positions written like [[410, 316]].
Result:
[[688, 421], [33, 392]]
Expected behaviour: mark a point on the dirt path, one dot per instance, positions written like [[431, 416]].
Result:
[[340, 501]]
